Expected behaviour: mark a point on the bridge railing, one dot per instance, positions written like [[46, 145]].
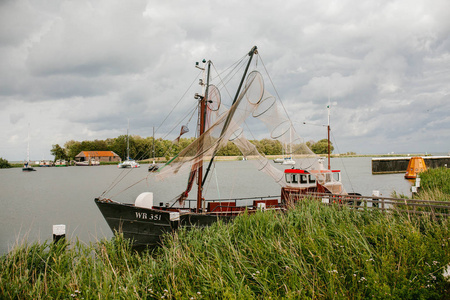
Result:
[[385, 204]]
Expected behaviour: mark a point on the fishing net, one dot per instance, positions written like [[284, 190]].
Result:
[[254, 102]]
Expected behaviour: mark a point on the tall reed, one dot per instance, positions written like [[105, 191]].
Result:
[[311, 251]]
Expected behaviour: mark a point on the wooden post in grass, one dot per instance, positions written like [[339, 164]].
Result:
[[59, 232]]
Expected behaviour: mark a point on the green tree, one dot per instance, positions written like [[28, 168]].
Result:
[[96, 145], [321, 147], [270, 147], [73, 148], [4, 164], [58, 152], [229, 150], [142, 147], [119, 146]]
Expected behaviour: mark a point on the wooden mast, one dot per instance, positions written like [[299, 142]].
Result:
[[202, 124], [253, 51]]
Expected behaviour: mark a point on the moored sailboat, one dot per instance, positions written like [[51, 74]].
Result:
[[146, 220], [128, 163], [26, 165]]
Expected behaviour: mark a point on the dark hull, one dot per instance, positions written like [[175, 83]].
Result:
[[145, 227], [142, 226], [28, 169], [153, 168]]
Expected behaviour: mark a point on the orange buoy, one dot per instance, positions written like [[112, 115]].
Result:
[[416, 165]]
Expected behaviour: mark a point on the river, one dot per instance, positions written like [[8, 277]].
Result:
[[32, 202]]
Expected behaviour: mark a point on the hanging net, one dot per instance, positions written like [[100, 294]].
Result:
[[224, 125]]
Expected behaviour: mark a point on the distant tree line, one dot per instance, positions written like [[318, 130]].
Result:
[[320, 147], [141, 148], [4, 164]]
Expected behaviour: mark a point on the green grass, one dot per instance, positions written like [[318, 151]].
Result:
[[435, 184], [311, 252]]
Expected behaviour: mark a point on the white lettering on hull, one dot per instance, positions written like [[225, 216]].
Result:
[[145, 216]]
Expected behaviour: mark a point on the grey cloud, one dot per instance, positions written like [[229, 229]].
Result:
[[16, 117], [106, 61]]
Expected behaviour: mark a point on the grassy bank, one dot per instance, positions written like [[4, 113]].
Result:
[[434, 185], [313, 251], [436, 181]]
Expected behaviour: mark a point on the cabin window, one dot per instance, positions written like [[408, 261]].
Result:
[[328, 177], [294, 178], [337, 176], [303, 179], [288, 178], [312, 179]]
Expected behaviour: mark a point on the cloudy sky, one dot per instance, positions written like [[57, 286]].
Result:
[[80, 69]]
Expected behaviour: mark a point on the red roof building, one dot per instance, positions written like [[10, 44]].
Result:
[[97, 155]]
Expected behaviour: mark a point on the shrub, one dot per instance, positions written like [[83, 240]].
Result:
[[4, 164]]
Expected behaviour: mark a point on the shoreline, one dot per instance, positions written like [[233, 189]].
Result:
[[240, 157]]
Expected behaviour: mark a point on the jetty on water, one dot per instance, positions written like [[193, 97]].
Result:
[[389, 165]]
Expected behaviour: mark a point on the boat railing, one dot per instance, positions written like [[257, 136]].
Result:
[[235, 204], [385, 204]]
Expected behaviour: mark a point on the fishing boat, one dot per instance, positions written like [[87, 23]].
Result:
[[88, 162], [288, 161], [45, 163], [26, 165], [284, 160], [128, 163], [147, 218], [60, 163]]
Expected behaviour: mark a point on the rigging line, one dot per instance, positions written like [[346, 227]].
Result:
[[178, 101], [222, 82], [164, 137], [232, 67], [173, 108], [230, 74], [113, 183], [217, 182], [342, 161], [236, 72], [124, 173], [129, 187], [178, 124], [208, 182], [118, 179], [276, 91], [209, 179]]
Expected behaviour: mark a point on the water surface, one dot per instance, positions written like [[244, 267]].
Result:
[[32, 202]]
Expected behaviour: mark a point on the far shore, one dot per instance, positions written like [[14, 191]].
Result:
[[237, 157]]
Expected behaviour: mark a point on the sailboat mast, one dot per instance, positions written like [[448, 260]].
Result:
[[28, 146], [128, 142], [153, 146], [329, 146], [202, 125]]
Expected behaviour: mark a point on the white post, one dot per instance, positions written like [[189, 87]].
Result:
[[59, 232], [375, 193], [261, 206]]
